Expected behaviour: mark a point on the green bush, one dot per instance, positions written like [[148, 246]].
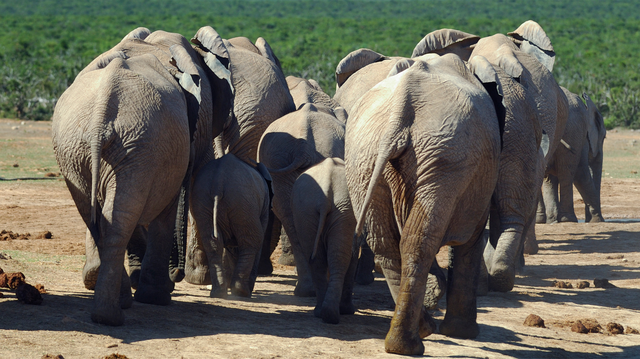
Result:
[[45, 43]]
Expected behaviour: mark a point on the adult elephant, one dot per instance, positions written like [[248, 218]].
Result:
[[127, 135], [288, 147], [577, 161], [523, 63], [261, 97], [421, 156]]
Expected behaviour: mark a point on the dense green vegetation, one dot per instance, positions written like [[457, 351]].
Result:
[[45, 43]]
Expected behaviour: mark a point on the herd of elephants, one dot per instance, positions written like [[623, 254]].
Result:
[[190, 156]]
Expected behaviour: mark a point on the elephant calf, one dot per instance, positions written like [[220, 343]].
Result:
[[230, 207], [324, 222]]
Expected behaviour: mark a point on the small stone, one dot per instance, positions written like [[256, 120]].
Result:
[[629, 330], [562, 284], [582, 284], [578, 327], [112, 345], [16, 165], [51, 174], [602, 283], [533, 320], [28, 294], [44, 235], [615, 328], [616, 256], [49, 356]]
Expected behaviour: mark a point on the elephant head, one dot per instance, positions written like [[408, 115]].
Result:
[[531, 38], [308, 91]]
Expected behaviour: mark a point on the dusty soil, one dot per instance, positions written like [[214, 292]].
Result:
[[275, 324]]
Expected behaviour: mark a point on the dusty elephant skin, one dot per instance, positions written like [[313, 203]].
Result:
[[435, 158], [324, 224], [577, 161], [288, 147], [124, 135], [225, 227]]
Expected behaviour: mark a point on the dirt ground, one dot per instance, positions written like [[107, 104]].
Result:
[[275, 324]]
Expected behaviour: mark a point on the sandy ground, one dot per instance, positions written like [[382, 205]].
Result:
[[275, 324]]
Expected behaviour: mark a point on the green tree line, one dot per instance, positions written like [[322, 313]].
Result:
[[45, 43]]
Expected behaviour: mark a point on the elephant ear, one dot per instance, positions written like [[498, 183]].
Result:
[[140, 33], [509, 62], [353, 62], [400, 66], [341, 114], [267, 52], [103, 60], [533, 40], [596, 132], [189, 78], [486, 73], [446, 41], [212, 49]]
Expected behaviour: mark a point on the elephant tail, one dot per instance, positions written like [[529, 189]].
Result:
[[394, 141], [324, 211], [216, 201]]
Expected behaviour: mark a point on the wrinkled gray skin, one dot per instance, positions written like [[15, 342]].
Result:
[[577, 161], [288, 147], [324, 223], [122, 134], [261, 97], [523, 61], [308, 91], [230, 218], [421, 156]]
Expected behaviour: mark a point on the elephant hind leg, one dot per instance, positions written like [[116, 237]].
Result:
[[460, 318]]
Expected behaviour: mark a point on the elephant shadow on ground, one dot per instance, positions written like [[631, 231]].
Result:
[[602, 242], [513, 346], [192, 314]]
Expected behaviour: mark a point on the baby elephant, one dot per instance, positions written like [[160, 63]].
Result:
[[230, 207], [325, 224]]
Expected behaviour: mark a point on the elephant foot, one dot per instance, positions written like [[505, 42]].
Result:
[[304, 290], [90, 275], [364, 277], [568, 218], [329, 315], [427, 325], [597, 218], [241, 290], [113, 316], [541, 217], [436, 287], [286, 259], [530, 246], [197, 276], [459, 327], [347, 308], [218, 292], [176, 275], [502, 280], [399, 341], [265, 267], [134, 277], [149, 294]]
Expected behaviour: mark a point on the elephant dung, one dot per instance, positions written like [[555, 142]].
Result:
[[586, 326], [11, 280], [582, 284], [28, 294], [534, 321], [615, 328], [562, 284], [602, 283], [629, 330]]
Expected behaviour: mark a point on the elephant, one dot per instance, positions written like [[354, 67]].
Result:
[[324, 224], [127, 135], [261, 97], [577, 161], [523, 62], [421, 161], [308, 91], [231, 218], [288, 147]]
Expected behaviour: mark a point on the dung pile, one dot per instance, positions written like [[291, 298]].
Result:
[[26, 293]]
